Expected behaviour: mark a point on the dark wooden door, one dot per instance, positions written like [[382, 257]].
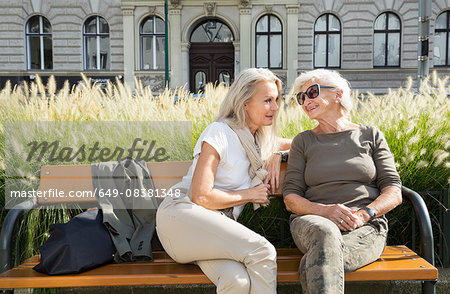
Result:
[[210, 63]]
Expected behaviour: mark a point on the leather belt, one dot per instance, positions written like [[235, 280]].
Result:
[[228, 212]]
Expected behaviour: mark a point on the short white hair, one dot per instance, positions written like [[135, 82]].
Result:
[[328, 78]]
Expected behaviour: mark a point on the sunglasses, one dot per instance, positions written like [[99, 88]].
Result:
[[312, 92]]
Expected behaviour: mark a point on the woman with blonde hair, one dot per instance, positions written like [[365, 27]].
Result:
[[227, 172]]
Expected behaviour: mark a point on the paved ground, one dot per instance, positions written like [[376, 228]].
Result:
[[390, 287]]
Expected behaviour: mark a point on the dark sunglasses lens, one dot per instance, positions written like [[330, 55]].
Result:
[[313, 91], [301, 98]]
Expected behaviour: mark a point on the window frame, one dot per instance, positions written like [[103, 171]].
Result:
[[327, 33], [447, 33], [386, 32], [41, 36], [153, 37], [98, 35], [269, 34]]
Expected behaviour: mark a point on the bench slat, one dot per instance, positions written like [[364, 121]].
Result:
[[72, 178], [395, 267], [396, 263], [67, 179]]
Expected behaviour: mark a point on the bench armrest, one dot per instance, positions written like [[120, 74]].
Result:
[[426, 232], [7, 232]]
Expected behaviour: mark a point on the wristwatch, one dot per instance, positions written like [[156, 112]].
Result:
[[284, 155], [370, 211]]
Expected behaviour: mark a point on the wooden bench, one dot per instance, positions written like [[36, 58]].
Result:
[[396, 263]]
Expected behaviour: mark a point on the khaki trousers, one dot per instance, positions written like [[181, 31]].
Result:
[[233, 257]]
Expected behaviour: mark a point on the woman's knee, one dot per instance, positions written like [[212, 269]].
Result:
[[313, 231], [242, 285], [270, 250]]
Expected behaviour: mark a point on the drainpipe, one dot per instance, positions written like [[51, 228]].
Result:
[[424, 34], [166, 43]]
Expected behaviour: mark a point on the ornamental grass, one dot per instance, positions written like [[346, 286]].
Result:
[[415, 124]]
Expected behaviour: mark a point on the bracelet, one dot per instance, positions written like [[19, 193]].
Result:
[[284, 155]]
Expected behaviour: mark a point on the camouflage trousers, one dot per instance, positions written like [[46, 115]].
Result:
[[329, 253]]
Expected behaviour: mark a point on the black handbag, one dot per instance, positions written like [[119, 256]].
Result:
[[79, 245]]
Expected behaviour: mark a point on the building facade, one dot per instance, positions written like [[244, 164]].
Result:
[[373, 44]]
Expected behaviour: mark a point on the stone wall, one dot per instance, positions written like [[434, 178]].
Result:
[[67, 19], [356, 16]]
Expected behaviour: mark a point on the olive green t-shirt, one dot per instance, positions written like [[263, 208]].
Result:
[[348, 167]]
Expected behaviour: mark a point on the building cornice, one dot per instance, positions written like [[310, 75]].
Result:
[[239, 3], [175, 11], [127, 10], [292, 9]]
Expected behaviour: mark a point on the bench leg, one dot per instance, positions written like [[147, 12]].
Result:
[[429, 287]]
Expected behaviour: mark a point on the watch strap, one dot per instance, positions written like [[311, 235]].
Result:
[[284, 155], [370, 211]]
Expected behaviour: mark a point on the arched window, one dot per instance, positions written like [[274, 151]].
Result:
[[39, 43], [212, 31], [96, 44], [441, 40], [152, 38], [327, 41], [386, 40], [269, 42]]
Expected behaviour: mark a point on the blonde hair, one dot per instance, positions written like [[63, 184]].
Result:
[[328, 78], [241, 92]]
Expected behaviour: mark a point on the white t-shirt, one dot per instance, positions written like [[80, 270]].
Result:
[[232, 172]]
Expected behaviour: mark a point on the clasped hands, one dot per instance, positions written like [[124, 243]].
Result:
[[345, 218]]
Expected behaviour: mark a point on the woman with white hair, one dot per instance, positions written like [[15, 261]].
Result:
[[340, 182], [227, 172]]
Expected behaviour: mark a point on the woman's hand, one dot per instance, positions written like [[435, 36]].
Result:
[[273, 164], [345, 218], [363, 216], [259, 194]]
